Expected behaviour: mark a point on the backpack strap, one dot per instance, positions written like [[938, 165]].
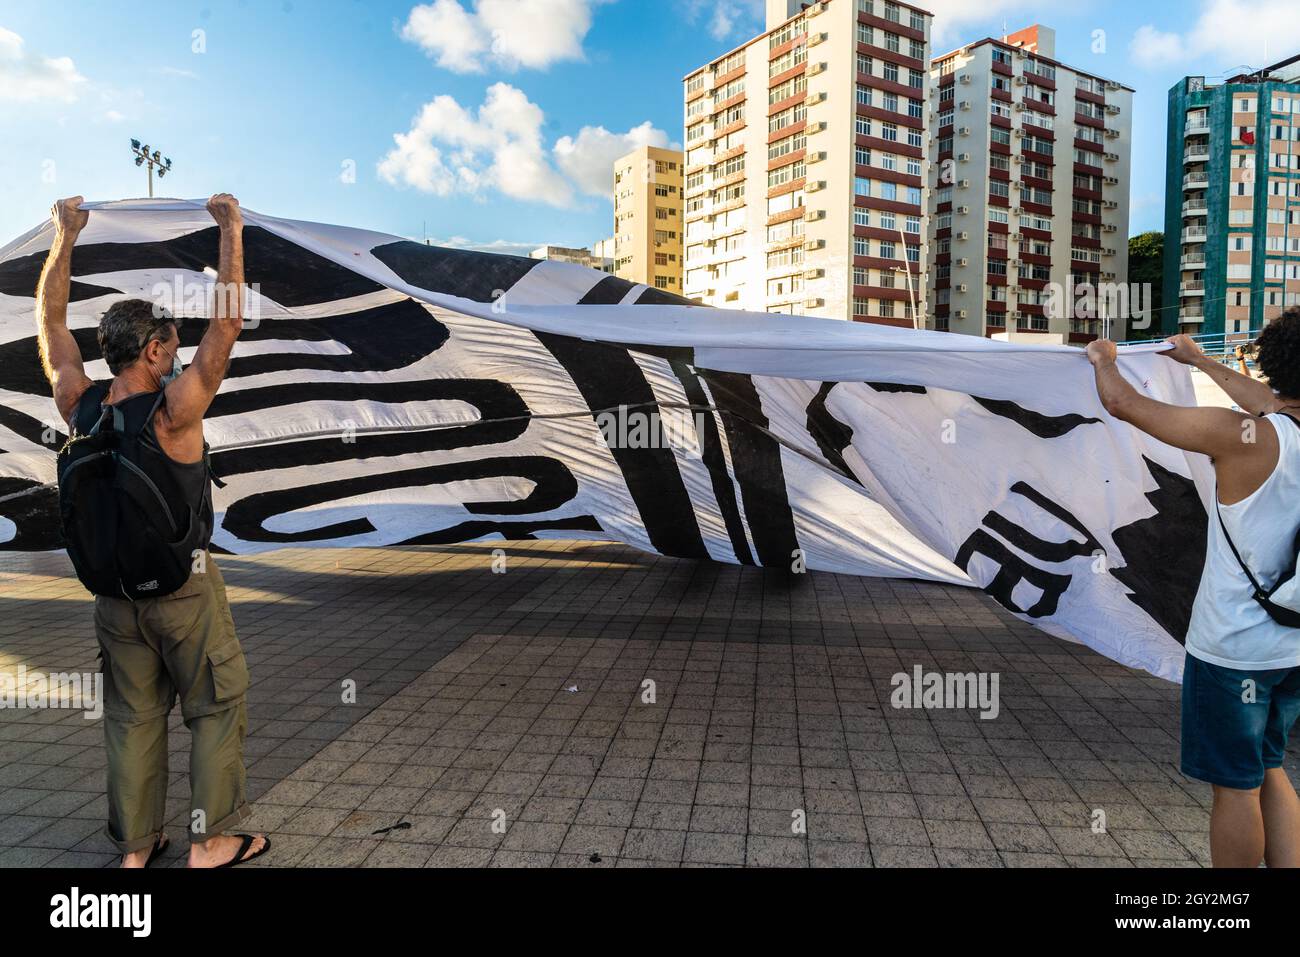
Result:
[[1254, 582], [89, 415], [1259, 591], [148, 432]]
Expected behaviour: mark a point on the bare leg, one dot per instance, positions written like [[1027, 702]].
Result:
[[138, 859], [1236, 828], [1281, 810]]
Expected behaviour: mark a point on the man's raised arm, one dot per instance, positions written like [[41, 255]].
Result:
[[60, 354], [190, 395], [1249, 393], [1212, 431]]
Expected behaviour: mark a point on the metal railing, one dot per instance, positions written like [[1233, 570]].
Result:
[[1219, 345]]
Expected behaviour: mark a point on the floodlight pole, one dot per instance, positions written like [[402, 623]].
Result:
[[149, 160], [907, 268]]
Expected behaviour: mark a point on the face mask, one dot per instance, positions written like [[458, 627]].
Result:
[[172, 376]]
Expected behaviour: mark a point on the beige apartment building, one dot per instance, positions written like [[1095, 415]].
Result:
[[805, 153], [1030, 172], [648, 229]]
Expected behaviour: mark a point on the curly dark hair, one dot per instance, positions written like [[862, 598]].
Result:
[[127, 327], [1279, 353]]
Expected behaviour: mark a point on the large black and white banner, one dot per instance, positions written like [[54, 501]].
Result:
[[392, 393]]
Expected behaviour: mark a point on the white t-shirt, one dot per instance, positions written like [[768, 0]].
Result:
[[1228, 627]]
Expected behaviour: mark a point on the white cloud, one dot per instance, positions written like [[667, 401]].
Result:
[[1228, 33], [507, 247], [451, 150], [955, 21], [726, 19], [588, 159], [511, 34], [27, 76]]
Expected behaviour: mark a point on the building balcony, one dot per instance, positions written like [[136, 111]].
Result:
[[1196, 128], [1194, 235], [1193, 288], [1197, 153], [1193, 314], [1196, 207], [1196, 181], [1193, 262]]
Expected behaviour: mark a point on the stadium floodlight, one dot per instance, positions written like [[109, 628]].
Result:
[[151, 160]]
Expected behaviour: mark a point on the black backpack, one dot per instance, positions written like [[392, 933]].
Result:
[[120, 530]]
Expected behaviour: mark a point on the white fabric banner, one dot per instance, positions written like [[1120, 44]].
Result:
[[388, 392]]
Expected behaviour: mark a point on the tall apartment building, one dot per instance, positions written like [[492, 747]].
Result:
[[1030, 163], [648, 218], [591, 258], [805, 149], [1232, 201]]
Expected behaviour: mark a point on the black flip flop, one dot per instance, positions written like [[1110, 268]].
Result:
[[246, 842], [159, 845]]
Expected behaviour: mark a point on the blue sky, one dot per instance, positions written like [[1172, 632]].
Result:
[[496, 102]]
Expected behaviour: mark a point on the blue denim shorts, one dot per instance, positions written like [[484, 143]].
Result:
[[1236, 723]]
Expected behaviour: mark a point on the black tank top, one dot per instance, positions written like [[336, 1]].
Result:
[[184, 485]]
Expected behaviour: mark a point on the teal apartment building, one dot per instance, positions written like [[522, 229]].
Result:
[[1232, 202]]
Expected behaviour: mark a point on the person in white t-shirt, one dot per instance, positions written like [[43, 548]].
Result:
[[1241, 678]]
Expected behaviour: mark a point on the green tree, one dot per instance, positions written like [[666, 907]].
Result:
[[1146, 264]]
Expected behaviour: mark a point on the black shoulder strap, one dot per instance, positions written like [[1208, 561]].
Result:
[[148, 433], [90, 414], [1235, 554], [1228, 538], [147, 427]]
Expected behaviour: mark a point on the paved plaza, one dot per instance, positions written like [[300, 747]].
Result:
[[595, 706]]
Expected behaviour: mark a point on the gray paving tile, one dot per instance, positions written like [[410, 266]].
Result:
[[774, 703]]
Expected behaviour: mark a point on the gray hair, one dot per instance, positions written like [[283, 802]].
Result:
[[127, 327]]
